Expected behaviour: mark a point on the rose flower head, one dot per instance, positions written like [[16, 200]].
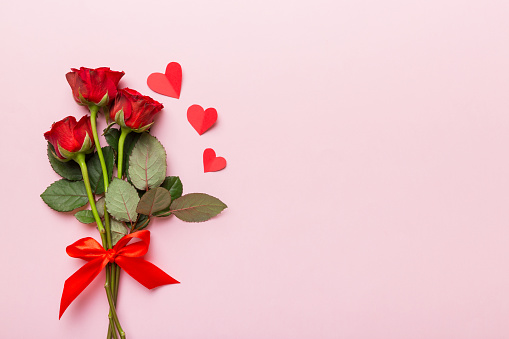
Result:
[[134, 111], [70, 137], [94, 86]]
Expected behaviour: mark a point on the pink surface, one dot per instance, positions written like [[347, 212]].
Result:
[[367, 178]]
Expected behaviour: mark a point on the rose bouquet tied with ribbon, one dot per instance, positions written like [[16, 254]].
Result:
[[122, 202]]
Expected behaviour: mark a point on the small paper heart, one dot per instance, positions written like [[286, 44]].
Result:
[[169, 83], [200, 119], [211, 163]]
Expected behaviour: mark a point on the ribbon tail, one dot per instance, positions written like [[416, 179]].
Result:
[[146, 273], [77, 282]]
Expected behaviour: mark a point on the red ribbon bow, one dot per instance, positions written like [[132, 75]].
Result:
[[127, 257]]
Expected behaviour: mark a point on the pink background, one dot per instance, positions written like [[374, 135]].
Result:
[[367, 178]]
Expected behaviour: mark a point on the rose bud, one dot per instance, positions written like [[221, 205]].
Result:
[[134, 111], [94, 86], [70, 137]]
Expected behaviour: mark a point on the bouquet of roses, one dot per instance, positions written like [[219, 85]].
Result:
[[122, 204]]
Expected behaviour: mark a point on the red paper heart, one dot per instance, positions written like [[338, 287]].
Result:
[[169, 83], [200, 119], [211, 163]]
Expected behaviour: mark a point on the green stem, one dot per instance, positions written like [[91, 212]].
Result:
[[114, 282], [80, 159], [112, 308], [111, 329], [115, 268], [107, 227], [93, 121], [106, 179], [112, 332], [121, 141], [117, 280]]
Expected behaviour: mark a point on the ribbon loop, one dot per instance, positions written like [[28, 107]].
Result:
[[128, 257]]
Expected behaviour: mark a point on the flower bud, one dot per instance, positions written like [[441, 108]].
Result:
[[70, 137], [94, 86], [134, 111]]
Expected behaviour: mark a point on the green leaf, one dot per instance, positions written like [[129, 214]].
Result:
[[174, 185], [154, 200], [69, 170], [99, 204], [129, 143], [163, 213], [147, 163], [142, 222], [85, 216], [64, 195], [112, 135], [118, 230], [196, 207], [95, 171], [122, 199]]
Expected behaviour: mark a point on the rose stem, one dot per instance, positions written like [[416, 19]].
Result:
[[80, 159], [111, 332], [116, 279], [93, 121], [111, 329], [112, 307], [121, 141]]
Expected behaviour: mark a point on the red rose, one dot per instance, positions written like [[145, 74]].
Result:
[[134, 111], [94, 86], [69, 137]]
